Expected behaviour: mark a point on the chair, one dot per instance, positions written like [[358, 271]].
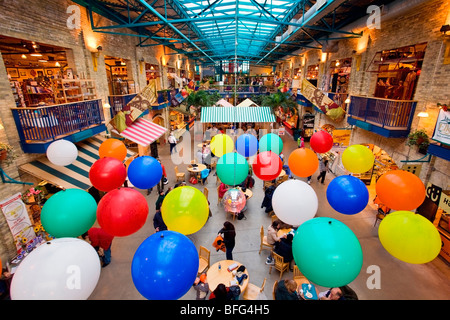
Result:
[[298, 277], [252, 291], [204, 174], [179, 175], [232, 214], [279, 264], [267, 184], [274, 289], [282, 179], [274, 217], [264, 242], [203, 259], [206, 192]]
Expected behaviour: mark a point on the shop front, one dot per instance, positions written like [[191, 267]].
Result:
[[398, 71], [120, 77], [338, 80]]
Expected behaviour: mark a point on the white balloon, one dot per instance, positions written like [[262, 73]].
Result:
[[295, 202], [62, 152], [60, 269]]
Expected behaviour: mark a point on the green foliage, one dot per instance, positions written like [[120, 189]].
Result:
[[11, 155], [280, 100], [418, 138], [201, 98]]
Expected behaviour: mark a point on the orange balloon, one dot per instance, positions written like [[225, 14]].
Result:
[[400, 190], [113, 148], [303, 162]]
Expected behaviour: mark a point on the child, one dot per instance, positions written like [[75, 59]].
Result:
[[201, 286]]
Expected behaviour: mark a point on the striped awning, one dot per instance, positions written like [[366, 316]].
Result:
[[143, 132], [75, 175], [235, 114]]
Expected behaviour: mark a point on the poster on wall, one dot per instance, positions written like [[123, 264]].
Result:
[[442, 129], [321, 101], [19, 222], [341, 138]]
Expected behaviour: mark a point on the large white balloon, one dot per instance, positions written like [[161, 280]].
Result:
[[60, 269], [62, 152], [294, 202]]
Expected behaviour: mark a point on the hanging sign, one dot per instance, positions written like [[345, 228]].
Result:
[[442, 129], [321, 101]]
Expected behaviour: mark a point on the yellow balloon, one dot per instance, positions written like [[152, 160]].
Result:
[[221, 144], [358, 158], [185, 210], [409, 237]]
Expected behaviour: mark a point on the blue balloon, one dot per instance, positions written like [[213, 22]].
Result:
[[347, 194], [247, 145], [145, 172], [165, 266]]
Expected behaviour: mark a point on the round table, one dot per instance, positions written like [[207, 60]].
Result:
[[216, 276], [248, 192], [196, 170]]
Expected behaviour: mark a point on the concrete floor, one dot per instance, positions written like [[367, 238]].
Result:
[[399, 280]]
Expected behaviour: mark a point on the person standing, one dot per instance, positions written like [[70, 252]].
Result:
[[101, 241], [172, 142], [228, 234], [158, 222], [323, 167]]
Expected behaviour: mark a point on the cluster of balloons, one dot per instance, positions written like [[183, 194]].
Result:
[[406, 235]]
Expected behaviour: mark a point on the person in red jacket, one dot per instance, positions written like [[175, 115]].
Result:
[[101, 241]]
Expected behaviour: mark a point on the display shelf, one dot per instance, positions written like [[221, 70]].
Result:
[[71, 90]]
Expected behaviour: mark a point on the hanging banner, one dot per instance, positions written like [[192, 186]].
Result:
[[442, 130], [321, 101], [19, 223]]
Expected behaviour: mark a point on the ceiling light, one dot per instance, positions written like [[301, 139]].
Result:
[[24, 56], [57, 64], [337, 63], [42, 60]]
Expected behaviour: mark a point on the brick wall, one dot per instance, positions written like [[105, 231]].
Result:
[[46, 22], [418, 25]]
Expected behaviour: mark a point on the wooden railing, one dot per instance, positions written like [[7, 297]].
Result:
[[51, 122], [386, 113]]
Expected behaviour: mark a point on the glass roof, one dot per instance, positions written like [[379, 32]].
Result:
[[236, 27]]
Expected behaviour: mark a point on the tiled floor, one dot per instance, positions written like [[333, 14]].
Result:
[[399, 280]]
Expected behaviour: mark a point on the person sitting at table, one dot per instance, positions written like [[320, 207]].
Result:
[[201, 286], [284, 248], [340, 293], [267, 201], [272, 238], [222, 189], [221, 293], [248, 183], [286, 290]]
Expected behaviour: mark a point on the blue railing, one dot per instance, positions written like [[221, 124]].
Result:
[[117, 102], [53, 122], [385, 113]]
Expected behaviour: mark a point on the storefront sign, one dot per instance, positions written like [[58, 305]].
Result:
[[321, 100], [442, 130], [18, 221], [341, 137]]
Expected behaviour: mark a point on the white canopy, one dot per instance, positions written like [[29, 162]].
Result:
[[247, 103]]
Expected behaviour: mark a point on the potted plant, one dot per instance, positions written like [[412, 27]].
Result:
[[7, 153], [420, 139]]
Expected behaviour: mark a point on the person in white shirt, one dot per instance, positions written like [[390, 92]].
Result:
[[172, 142]]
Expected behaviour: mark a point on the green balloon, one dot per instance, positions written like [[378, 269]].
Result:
[[69, 213], [232, 168], [327, 252], [271, 142]]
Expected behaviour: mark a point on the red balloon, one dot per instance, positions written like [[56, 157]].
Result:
[[267, 165], [122, 212], [321, 141], [107, 174]]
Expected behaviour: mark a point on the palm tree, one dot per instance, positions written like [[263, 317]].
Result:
[[280, 100], [201, 98]]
